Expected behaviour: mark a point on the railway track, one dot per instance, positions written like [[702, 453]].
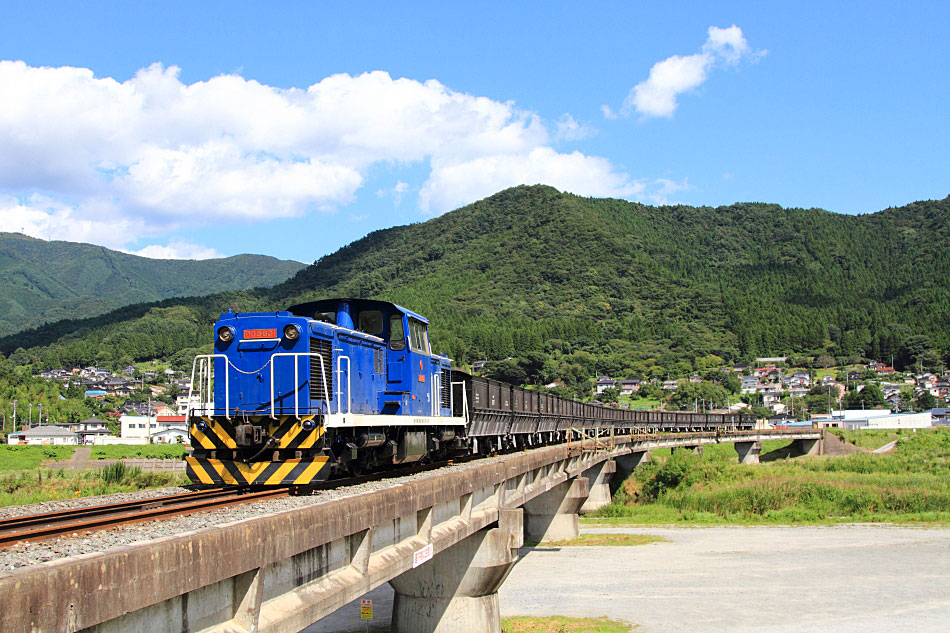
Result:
[[48, 525], [38, 527]]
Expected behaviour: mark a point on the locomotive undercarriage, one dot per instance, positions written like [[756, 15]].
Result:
[[259, 451]]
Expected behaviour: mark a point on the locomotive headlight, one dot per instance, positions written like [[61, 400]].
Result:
[[226, 334], [201, 425], [308, 425], [292, 332]]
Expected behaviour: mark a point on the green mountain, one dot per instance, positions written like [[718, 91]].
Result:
[[42, 282], [573, 287]]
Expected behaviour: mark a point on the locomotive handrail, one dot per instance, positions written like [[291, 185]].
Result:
[[296, 356], [465, 413], [339, 383], [208, 361]]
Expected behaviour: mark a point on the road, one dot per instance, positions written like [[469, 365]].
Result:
[[841, 579]]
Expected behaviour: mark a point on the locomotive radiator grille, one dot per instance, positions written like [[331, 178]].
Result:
[[323, 348], [446, 395]]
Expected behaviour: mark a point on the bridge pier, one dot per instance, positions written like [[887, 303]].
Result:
[[552, 516], [748, 452], [808, 447], [599, 478], [457, 591]]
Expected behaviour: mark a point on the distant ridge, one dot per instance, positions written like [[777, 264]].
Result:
[[584, 286], [43, 282]]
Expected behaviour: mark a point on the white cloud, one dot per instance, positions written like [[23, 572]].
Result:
[[177, 249], [113, 162], [657, 95], [457, 183], [666, 188], [568, 129]]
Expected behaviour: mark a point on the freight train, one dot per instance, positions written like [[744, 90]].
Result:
[[345, 386]]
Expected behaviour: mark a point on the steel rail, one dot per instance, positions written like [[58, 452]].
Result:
[[39, 527]]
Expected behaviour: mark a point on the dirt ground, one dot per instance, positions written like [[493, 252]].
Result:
[[840, 579]]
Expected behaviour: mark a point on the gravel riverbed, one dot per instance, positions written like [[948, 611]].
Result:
[[25, 554]]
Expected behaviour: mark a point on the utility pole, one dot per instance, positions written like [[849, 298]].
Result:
[[29, 424], [14, 415]]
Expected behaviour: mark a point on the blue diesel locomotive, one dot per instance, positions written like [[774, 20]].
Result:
[[343, 386], [327, 387]]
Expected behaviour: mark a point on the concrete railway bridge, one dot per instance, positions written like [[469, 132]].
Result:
[[445, 542]]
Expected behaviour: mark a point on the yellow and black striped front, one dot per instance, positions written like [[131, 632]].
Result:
[[228, 473], [287, 431], [290, 437]]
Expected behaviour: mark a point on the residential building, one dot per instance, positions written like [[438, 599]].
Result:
[[44, 435], [629, 386]]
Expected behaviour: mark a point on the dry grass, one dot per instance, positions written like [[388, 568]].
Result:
[[600, 540], [561, 624]]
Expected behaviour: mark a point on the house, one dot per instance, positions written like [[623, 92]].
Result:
[[750, 384], [629, 386], [695, 378], [95, 394], [181, 402], [740, 367], [670, 385], [603, 383], [88, 430], [940, 417], [168, 428], [157, 390], [44, 435]]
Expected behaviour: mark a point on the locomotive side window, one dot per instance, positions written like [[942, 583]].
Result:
[[418, 341], [397, 335], [371, 322], [326, 317]]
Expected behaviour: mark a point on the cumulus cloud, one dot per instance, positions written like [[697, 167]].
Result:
[[455, 183], [114, 162], [568, 129], [657, 95], [177, 249]]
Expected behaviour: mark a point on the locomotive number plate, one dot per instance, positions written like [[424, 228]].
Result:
[[252, 334]]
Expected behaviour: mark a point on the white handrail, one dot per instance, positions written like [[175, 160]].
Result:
[[339, 383], [464, 401], [207, 365], [295, 356]]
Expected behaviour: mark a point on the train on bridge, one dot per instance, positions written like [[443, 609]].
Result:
[[345, 386]]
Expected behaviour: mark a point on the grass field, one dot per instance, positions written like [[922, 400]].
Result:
[[17, 457], [561, 624], [911, 484], [19, 488], [601, 540]]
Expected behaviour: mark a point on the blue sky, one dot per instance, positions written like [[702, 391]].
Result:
[[203, 129]]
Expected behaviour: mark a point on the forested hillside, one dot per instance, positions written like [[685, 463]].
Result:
[[572, 287], [42, 282]]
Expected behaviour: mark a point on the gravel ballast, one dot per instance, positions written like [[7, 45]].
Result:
[[25, 554]]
